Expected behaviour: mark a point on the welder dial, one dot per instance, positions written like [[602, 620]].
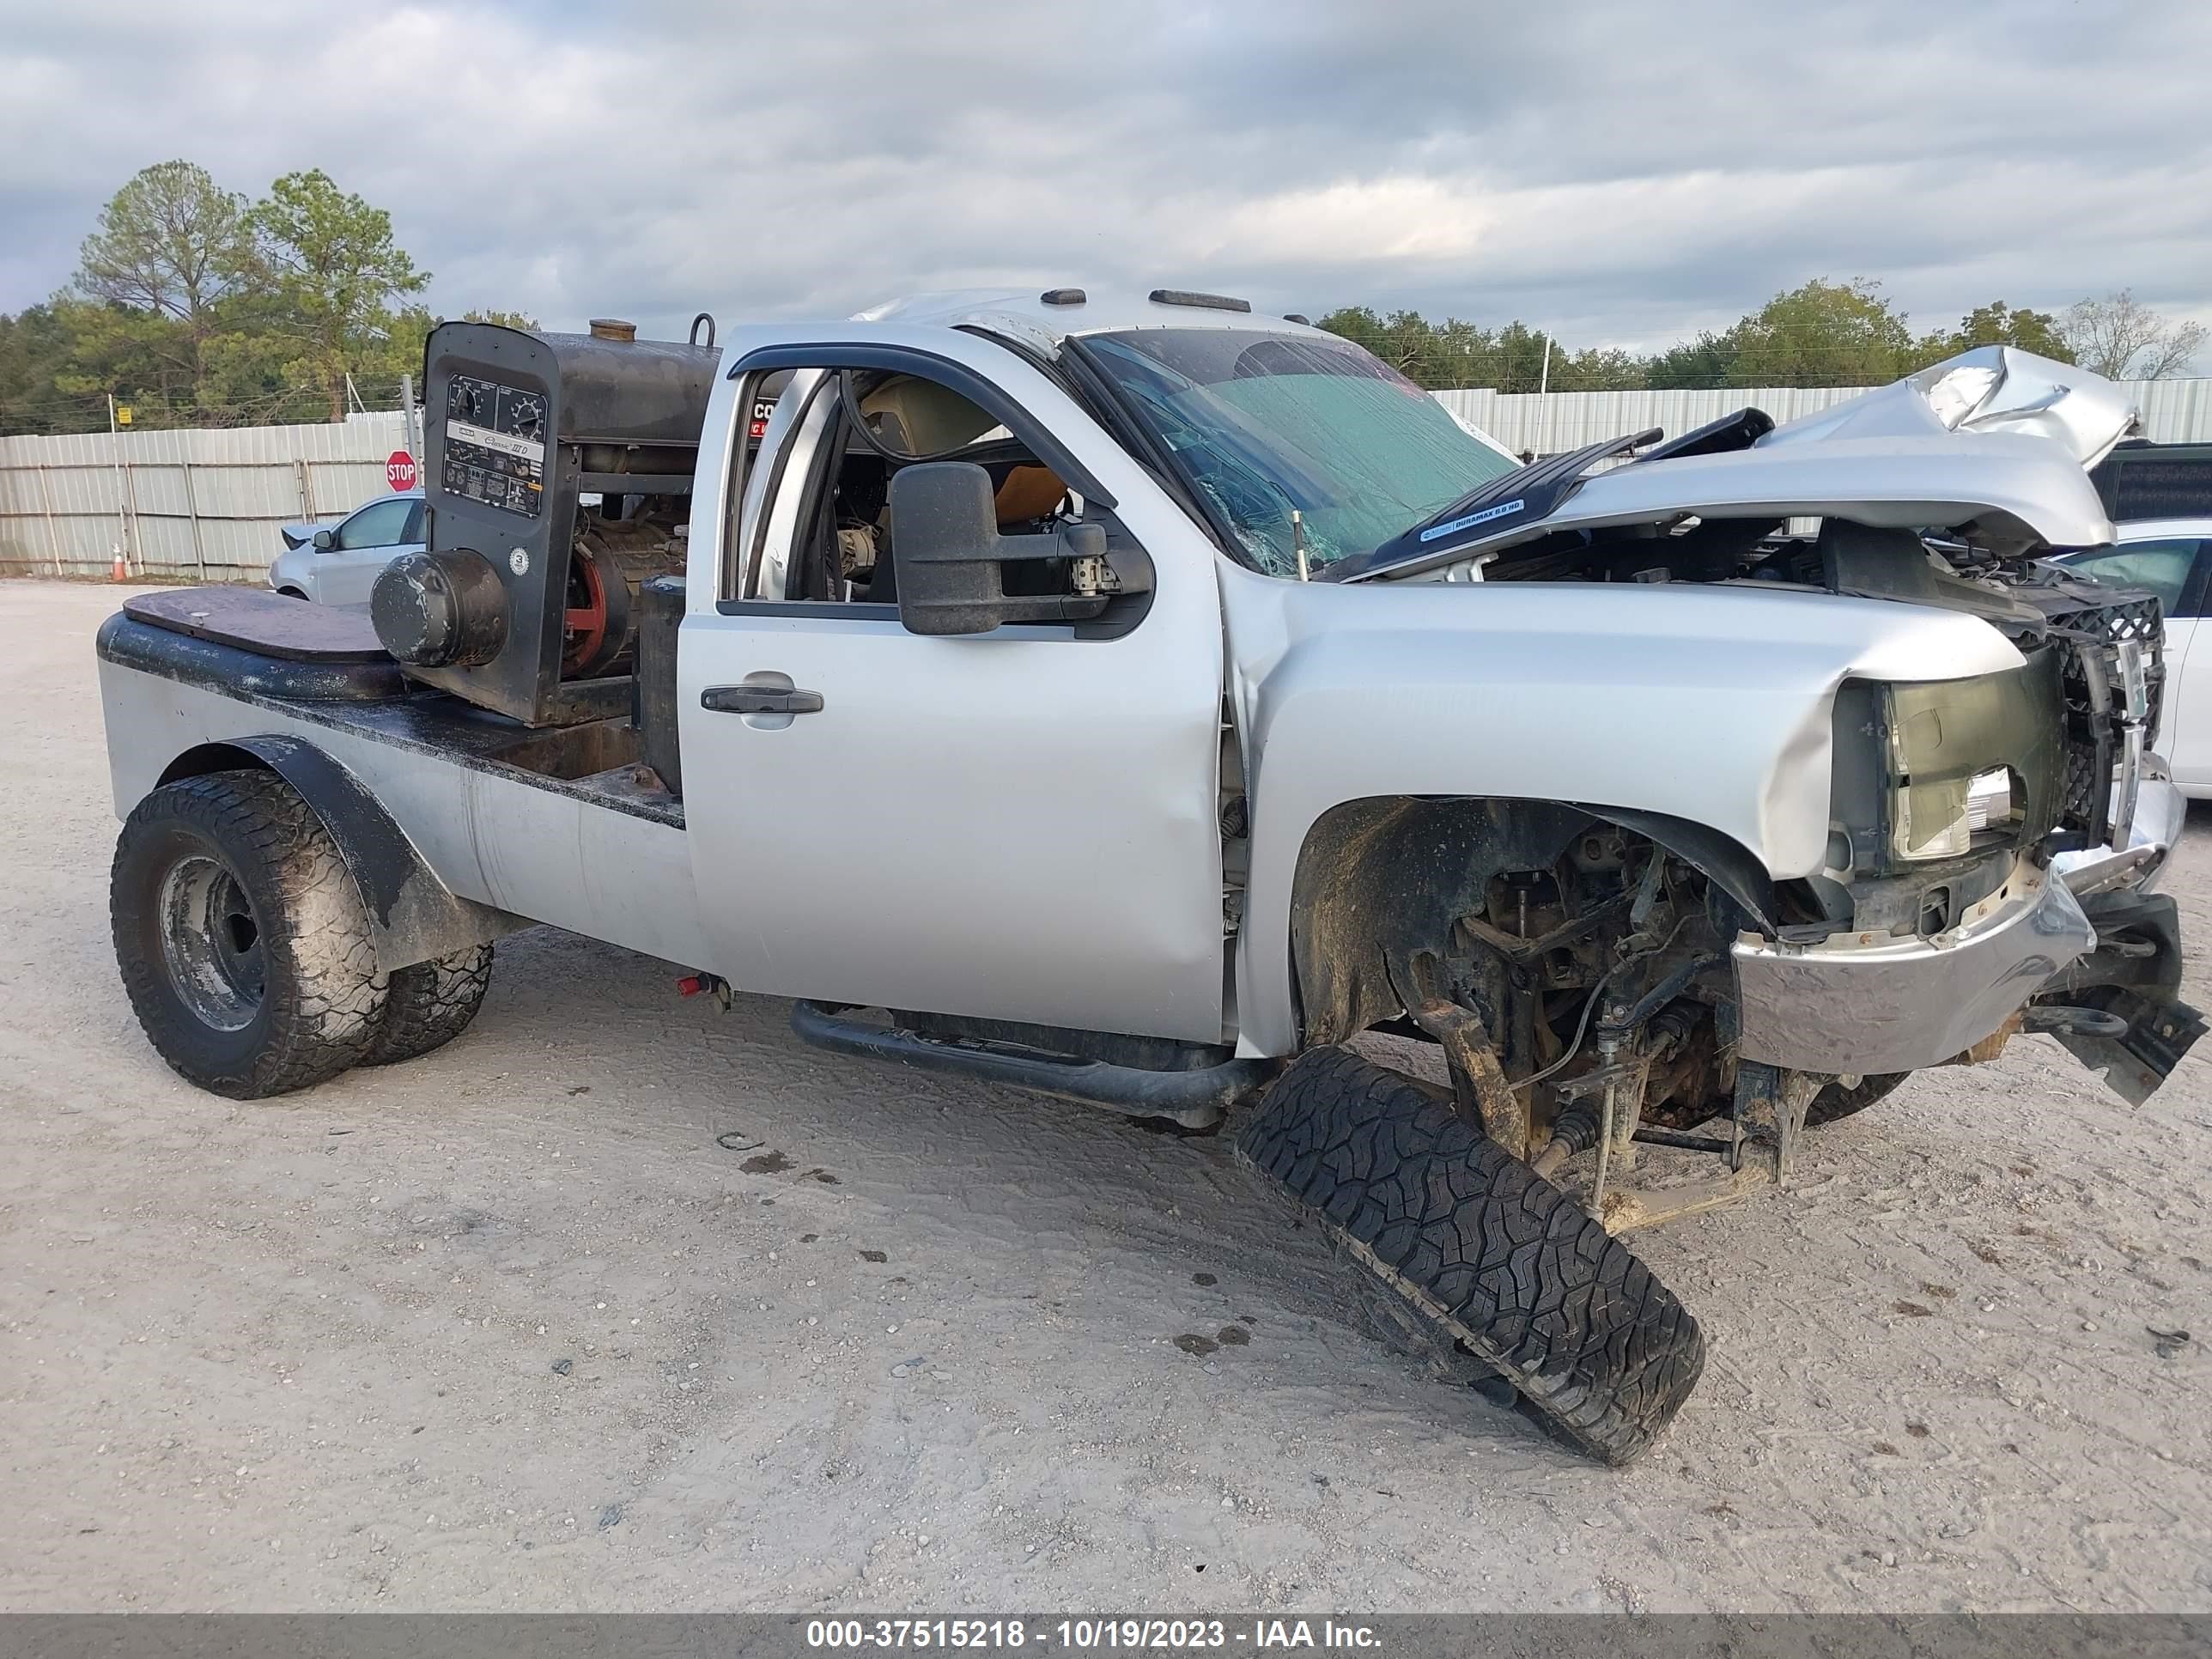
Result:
[[525, 417]]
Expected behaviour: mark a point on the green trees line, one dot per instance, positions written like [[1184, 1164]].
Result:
[[1825, 333], [194, 306]]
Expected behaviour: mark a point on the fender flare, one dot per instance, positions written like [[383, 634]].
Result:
[[1379, 874], [413, 916]]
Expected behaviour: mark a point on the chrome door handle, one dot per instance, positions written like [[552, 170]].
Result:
[[760, 700]]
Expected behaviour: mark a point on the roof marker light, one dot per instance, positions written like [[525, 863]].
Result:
[[1183, 296]]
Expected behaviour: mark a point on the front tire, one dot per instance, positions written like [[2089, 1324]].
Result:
[[1490, 1256], [241, 937]]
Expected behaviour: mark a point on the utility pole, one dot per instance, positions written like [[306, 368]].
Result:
[[1544, 400], [122, 495], [413, 433]]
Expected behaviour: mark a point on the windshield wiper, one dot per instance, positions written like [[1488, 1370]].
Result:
[[1501, 506]]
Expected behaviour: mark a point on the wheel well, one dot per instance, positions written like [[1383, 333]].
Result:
[[1381, 879], [413, 915], [289, 593], [204, 758]]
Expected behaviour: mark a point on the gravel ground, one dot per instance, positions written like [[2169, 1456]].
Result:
[[625, 1302]]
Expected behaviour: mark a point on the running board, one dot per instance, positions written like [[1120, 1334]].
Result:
[[1196, 1099]]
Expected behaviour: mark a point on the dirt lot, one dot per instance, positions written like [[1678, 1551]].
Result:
[[510, 1327]]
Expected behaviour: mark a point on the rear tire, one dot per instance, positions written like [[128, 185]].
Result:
[[1490, 1256], [242, 939], [430, 1004]]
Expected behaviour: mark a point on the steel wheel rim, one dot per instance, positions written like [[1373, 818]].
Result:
[[211, 942]]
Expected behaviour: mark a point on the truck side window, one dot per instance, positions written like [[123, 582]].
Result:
[[764, 502], [816, 524]]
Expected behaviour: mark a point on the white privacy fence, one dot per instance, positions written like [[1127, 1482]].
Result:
[[184, 506], [193, 506]]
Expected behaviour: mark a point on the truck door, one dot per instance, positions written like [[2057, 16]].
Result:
[[1021, 825]]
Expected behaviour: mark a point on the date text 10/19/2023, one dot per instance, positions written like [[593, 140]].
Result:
[[1088, 1635]]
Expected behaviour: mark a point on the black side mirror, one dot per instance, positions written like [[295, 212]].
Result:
[[951, 557], [324, 541]]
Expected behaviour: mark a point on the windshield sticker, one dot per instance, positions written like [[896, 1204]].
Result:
[[1502, 510]]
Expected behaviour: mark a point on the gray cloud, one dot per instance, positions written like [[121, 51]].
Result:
[[1625, 172]]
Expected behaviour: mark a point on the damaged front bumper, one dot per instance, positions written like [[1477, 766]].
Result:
[[2086, 935]]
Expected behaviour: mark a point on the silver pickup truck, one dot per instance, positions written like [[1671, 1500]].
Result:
[[1137, 699]]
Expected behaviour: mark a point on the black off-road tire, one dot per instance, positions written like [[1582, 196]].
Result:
[[428, 1005], [1485, 1249], [1835, 1101], [242, 939]]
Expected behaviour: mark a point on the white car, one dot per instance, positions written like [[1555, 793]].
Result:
[[2172, 558], [338, 563]]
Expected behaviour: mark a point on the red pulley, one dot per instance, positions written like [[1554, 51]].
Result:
[[584, 620]]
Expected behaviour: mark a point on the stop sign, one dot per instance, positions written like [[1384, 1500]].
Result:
[[399, 471]]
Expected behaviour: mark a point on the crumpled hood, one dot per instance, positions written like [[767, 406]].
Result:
[[1993, 439], [2016, 489], [1999, 439], [1991, 389]]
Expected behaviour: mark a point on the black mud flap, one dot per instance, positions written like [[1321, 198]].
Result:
[[2133, 975]]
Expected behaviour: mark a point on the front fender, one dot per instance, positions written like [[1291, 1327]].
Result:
[[1707, 704]]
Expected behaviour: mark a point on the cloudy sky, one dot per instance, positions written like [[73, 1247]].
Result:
[[1623, 172]]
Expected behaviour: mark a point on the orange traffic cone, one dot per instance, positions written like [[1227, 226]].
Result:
[[122, 571]]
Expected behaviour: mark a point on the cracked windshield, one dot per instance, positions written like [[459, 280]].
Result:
[[1263, 423]]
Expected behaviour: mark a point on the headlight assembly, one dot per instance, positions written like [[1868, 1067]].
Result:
[[1932, 769], [1989, 799]]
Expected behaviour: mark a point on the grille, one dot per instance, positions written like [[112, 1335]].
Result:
[[2140, 620], [2134, 618], [2078, 808]]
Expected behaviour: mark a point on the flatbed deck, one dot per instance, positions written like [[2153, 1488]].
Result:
[[323, 667]]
